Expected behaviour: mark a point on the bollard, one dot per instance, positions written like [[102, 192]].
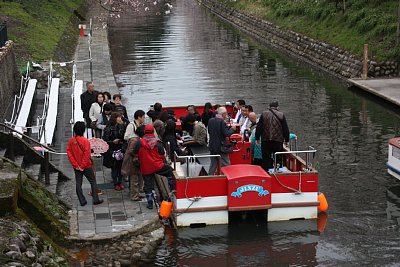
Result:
[[364, 74], [81, 31]]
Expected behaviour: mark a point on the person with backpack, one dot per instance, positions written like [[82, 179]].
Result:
[[273, 129]]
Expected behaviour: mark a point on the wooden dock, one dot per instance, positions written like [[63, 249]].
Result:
[[388, 89]]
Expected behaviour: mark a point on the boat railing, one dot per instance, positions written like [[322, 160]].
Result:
[[309, 158]]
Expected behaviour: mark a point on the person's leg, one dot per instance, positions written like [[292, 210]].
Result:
[[277, 147], [118, 172], [148, 189], [89, 174], [140, 181], [225, 161], [166, 171], [266, 155], [79, 193], [114, 175], [213, 165], [135, 187]]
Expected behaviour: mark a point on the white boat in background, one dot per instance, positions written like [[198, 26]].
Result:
[[393, 163]]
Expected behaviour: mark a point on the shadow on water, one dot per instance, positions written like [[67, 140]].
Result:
[[393, 204], [248, 241]]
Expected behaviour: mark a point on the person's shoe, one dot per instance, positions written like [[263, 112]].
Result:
[[83, 204], [117, 187], [99, 192], [122, 186], [98, 202], [150, 205]]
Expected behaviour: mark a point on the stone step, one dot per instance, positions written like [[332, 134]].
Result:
[[2, 152], [34, 170]]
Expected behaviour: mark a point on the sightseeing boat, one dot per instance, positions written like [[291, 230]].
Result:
[[284, 192], [393, 163]]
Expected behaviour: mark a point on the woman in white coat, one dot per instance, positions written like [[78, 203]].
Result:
[[95, 112]]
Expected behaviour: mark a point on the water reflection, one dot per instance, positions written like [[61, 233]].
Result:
[[191, 57], [393, 204], [247, 242]]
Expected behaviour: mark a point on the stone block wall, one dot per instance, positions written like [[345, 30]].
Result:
[[328, 57], [9, 77]]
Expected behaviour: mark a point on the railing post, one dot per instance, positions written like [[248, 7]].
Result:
[[11, 148], [46, 168], [364, 75]]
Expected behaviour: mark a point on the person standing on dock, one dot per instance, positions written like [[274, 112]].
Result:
[[218, 131], [78, 151], [87, 99], [273, 129]]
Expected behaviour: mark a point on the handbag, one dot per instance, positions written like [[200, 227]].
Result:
[[194, 168], [93, 124], [118, 155]]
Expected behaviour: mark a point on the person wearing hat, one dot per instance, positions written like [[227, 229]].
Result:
[[151, 154], [273, 130]]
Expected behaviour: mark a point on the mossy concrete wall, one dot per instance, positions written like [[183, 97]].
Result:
[[9, 77], [325, 56]]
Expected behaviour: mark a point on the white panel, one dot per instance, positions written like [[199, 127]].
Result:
[[283, 214], [394, 174], [208, 217], [52, 109], [204, 202], [78, 114], [26, 106], [293, 198]]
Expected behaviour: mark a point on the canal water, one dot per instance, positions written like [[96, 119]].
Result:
[[191, 57]]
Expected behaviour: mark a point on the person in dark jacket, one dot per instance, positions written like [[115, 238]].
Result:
[[87, 99], [152, 161], [186, 125], [155, 112], [105, 117], [208, 113], [218, 131], [114, 135], [78, 151], [118, 107], [170, 138], [273, 129]]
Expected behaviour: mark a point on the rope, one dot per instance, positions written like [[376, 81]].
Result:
[[193, 200], [296, 191]]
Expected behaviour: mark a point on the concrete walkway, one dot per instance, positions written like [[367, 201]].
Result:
[[388, 89], [118, 214]]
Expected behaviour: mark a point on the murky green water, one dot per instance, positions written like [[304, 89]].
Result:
[[191, 57]]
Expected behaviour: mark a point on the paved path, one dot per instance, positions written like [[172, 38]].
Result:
[[388, 89], [118, 214], [103, 77]]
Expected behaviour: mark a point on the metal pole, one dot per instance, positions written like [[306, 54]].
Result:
[[398, 25], [90, 51], [46, 168], [365, 65]]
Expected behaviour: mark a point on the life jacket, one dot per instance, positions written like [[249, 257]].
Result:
[[151, 160]]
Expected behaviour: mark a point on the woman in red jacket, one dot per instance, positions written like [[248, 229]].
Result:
[[78, 151]]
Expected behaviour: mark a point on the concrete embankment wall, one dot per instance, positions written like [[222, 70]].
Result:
[[9, 77], [328, 57]]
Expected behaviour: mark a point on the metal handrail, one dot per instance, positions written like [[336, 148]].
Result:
[[27, 137], [295, 152]]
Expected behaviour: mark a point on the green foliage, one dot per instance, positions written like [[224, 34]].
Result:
[[348, 26], [36, 26]]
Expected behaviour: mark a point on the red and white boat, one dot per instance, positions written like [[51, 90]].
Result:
[[393, 163], [285, 193]]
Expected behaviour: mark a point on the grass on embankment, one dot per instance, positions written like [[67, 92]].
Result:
[[363, 21], [36, 26]]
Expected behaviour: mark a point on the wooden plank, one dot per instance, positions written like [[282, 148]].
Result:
[[26, 106], [51, 118]]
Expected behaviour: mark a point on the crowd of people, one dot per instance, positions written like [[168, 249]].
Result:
[[140, 151]]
